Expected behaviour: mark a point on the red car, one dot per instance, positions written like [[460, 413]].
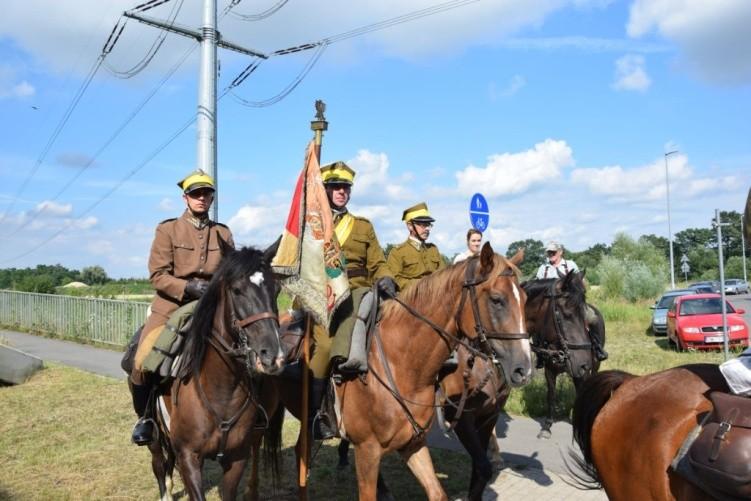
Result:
[[695, 322]]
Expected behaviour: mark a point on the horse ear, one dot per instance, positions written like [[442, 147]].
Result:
[[224, 247], [518, 257], [269, 253], [583, 273], [487, 258]]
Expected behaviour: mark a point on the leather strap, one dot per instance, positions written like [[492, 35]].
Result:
[[254, 318]]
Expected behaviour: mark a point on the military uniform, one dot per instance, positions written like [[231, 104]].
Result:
[[183, 248], [412, 260]]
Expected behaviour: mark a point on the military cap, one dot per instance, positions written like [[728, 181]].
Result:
[[417, 213], [553, 247], [337, 172], [196, 180]]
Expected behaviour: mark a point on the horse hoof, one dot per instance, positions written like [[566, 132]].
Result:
[[498, 464], [544, 434]]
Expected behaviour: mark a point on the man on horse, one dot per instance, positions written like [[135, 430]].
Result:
[[415, 258], [365, 264], [184, 255], [557, 267]]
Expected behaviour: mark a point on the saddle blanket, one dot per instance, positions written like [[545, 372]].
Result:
[[737, 373]]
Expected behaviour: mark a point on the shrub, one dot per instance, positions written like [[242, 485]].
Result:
[[641, 282], [612, 275]]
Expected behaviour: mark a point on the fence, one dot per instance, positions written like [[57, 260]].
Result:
[[106, 321]]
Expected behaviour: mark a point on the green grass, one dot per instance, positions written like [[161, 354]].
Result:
[[65, 434]]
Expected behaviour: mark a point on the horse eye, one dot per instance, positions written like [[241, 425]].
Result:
[[236, 291], [497, 300]]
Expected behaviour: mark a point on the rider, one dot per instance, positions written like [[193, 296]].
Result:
[[556, 267], [184, 255], [415, 258], [365, 264], [474, 241]]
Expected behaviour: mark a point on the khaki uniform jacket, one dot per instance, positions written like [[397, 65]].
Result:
[[181, 251], [365, 262], [408, 263]]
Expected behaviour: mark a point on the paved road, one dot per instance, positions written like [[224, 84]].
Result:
[[535, 469]]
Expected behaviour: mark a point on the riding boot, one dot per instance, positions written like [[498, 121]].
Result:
[[319, 418], [600, 352], [143, 431], [357, 361], [449, 365]]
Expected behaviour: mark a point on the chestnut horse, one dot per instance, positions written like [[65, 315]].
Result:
[[211, 410], [556, 319], [477, 303], [629, 429]]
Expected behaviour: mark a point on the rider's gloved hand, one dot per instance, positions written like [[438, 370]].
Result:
[[195, 288], [387, 287]]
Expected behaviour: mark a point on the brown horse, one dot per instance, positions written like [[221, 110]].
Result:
[[210, 411], [629, 429], [477, 303], [556, 319]]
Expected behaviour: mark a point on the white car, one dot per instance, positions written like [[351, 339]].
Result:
[[736, 286]]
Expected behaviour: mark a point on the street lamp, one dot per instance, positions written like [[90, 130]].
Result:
[[670, 231], [743, 248]]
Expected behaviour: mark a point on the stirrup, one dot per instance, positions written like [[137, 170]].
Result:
[[144, 435], [321, 430]]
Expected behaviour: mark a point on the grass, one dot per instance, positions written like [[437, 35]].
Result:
[[65, 434]]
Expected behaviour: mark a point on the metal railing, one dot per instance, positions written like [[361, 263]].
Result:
[[108, 321]]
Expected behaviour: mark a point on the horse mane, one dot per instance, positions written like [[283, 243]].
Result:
[[572, 284], [430, 291], [234, 265]]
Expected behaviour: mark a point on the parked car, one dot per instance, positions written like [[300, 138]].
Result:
[[714, 284], [695, 322], [661, 307], [736, 286], [702, 288]]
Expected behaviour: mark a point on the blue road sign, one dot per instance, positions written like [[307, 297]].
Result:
[[479, 214]]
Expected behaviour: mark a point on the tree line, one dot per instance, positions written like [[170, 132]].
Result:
[[46, 278]]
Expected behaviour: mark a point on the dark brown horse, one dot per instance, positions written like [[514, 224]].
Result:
[[556, 319], [629, 429], [210, 411], [477, 303]]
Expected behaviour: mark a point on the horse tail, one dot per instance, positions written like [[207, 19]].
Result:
[[592, 396], [272, 445]]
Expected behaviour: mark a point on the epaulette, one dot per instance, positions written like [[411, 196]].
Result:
[[220, 224], [168, 220]]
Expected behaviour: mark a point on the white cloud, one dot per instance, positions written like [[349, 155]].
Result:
[[167, 205], [514, 85], [100, 247], [517, 172], [630, 74], [10, 87], [713, 36], [50, 208], [83, 223], [249, 219], [373, 179], [647, 182]]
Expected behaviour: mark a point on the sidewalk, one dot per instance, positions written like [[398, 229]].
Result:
[[534, 468]]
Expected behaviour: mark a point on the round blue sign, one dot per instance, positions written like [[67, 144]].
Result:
[[479, 214]]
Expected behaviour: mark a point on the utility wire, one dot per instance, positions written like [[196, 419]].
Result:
[[254, 17], [104, 197]]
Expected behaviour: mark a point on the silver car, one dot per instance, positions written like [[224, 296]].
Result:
[[661, 307], [736, 286]]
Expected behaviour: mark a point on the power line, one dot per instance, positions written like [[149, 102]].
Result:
[[254, 17]]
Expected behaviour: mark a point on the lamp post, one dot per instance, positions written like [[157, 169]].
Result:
[[670, 230], [743, 249]]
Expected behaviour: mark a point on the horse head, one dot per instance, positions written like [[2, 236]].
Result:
[[570, 326], [246, 290], [497, 312]]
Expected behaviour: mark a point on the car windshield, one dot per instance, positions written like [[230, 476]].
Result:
[[667, 301], [704, 306]]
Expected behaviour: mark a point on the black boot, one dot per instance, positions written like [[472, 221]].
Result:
[[449, 365], [319, 417], [143, 431]]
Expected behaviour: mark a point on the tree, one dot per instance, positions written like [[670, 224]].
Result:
[[634, 269], [694, 238], [661, 243], [534, 255], [94, 275], [588, 259], [734, 267]]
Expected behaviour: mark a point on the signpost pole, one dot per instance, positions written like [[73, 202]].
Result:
[[718, 225]]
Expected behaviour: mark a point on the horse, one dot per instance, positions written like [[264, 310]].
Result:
[[209, 411], [629, 428], [478, 304], [556, 319]]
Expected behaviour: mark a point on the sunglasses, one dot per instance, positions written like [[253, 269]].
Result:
[[339, 186], [203, 192], [423, 224], [551, 253]]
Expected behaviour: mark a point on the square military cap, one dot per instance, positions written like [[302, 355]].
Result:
[[418, 213], [337, 172], [196, 180]]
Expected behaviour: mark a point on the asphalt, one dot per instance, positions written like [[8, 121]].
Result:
[[534, 468]]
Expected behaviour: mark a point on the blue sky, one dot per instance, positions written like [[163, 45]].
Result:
[[558, 111]]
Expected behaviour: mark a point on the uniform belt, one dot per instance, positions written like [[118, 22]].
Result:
[[356, 272]]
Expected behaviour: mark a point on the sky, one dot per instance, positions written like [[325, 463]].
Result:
[[559, 112]]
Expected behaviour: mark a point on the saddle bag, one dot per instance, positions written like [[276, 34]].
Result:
[[721, 454], [169, 342]]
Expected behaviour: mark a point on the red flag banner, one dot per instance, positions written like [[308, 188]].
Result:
[[309, 256]]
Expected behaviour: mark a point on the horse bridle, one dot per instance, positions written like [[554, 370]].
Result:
[[562, 356]]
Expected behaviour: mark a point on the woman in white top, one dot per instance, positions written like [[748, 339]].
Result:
[[474, 240]]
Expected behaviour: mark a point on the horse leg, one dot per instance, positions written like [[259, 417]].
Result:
[[550, 379], [494, 452], [422, 468], [251, 489], [482, 470], [343, 451], [190, 465], [162, 471], [367, 465], [233, 471]]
